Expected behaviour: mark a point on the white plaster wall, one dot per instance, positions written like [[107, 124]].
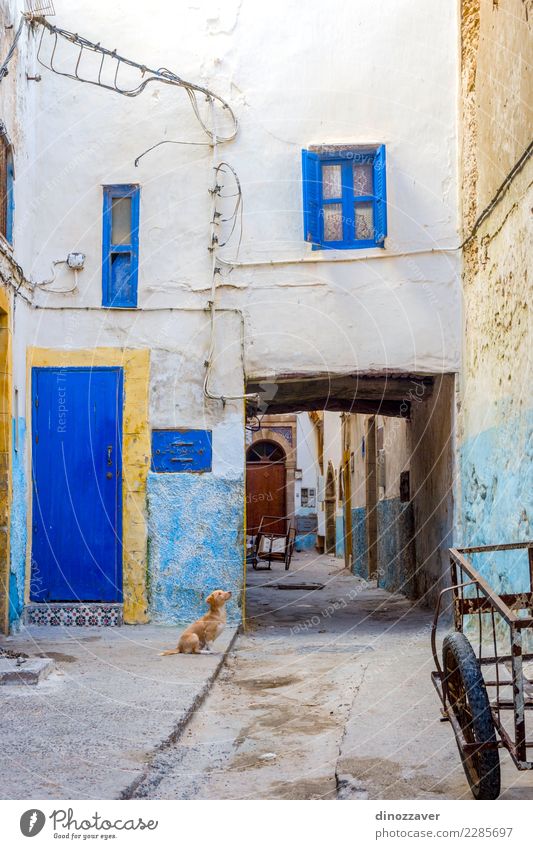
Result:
[[306, 458], [332, 445], [374, 73], [357, 436], [397, 454]]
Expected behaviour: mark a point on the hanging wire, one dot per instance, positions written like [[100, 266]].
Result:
[[167, 141], [113, 66], [45, 284], [237, 214], [3, 68]]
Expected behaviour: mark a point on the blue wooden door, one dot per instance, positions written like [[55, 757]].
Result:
[[77, 474]]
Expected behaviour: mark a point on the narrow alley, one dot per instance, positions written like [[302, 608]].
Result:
[[326, 696], [266, 404]]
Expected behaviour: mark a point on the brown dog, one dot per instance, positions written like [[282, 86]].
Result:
[[199, 636]]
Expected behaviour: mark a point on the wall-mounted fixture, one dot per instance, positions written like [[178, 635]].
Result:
[[75, 261]]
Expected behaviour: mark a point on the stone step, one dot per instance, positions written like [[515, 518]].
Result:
[[28, 671]]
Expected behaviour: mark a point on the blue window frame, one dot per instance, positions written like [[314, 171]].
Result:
[[120, 259], [344, 198]]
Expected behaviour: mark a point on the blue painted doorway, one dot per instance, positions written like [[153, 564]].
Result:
[[77, 484]]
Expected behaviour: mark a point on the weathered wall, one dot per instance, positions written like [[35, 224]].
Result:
[[18, 520], [301, 96], [495, 414], [17, 110], [321, 311], [395, 544], [307, 462], [431, 436], [395, 522], [196, 543]]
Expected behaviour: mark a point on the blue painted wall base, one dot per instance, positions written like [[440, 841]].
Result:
[[496, 469], [195, 526], [305, 542], [17, 526], [359, 545], [396, 557], [339, 536]]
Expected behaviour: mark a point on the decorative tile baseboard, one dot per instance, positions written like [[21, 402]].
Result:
[[81, 614]]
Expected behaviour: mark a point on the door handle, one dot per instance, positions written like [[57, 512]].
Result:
[[109, 455]]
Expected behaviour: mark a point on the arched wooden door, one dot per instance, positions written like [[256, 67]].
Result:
[[265, 487]]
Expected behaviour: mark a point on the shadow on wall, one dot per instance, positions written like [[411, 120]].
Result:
[[414, 537]]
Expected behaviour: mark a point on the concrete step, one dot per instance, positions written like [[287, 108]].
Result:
[[28, 671]]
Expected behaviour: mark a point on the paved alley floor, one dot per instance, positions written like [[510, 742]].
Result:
[[89, 729], [327, 695]]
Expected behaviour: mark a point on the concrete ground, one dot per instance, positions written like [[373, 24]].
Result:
[[88, 730], [328, 695]]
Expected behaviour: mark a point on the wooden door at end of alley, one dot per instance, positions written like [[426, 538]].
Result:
[[265, 496]]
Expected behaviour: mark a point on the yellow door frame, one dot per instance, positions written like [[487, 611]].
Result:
[[135, 460], [6, 393]]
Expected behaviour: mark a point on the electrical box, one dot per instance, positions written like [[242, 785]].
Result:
[[182, 450], [76, 260]]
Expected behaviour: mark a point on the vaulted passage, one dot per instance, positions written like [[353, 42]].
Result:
[[370, 472]]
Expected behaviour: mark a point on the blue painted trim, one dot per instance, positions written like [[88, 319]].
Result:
[[35, 371], [182, 451], [111, 293], [311, 187], [313, 201]]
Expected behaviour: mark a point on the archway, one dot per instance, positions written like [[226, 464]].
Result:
[[265, 486]]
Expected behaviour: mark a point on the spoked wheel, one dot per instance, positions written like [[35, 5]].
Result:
[[468, 699]]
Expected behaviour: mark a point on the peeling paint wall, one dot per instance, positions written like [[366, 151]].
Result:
[[18, 519], [431, 442], [495, 403], [196, 544]]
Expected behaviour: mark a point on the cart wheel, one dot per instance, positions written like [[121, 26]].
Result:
[[468, 699]]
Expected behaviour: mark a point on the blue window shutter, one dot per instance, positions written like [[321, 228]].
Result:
[[120, 263], [380, 191], [312, 189]]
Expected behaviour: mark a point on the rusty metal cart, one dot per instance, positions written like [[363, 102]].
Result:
[[270, 546], [485, 693]]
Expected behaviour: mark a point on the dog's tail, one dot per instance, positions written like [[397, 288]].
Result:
[[170, 651]]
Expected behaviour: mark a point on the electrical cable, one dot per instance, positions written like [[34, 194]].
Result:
[[45, 283], [215, 192], [160, 75], [167, 141], [3, 68], [517, 167]]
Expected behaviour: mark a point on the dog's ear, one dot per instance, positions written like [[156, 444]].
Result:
[[210, 598]]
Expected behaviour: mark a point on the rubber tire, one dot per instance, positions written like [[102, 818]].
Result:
[[456, 646]]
